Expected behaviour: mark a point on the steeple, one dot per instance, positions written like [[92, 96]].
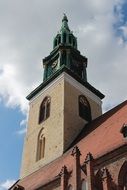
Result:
[[65, 55], [65, 36], [61, 105], [65, 26]]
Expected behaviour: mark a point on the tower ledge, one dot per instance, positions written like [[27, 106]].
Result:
[[68, 71]]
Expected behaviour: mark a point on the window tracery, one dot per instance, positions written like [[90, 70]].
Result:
[[84, 108], [44, 109]]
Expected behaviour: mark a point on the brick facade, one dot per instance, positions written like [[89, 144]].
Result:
[[101, 170], [79, 153]]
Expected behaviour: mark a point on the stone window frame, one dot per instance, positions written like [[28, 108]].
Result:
[[44, 111], [122, 177], [40, 145], [84, 108]]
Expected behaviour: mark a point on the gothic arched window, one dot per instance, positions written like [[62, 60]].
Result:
[[84, 108], [125, 182], [122, 177], [40, 146], [70, 187], [44, 110], [84, 185]]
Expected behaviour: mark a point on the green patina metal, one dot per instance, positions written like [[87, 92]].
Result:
[[65, 26], [65, 53], [65, 36]]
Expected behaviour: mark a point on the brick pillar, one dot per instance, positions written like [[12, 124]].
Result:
[[106, 179], [64, 178], [89, 170], [76, 168]]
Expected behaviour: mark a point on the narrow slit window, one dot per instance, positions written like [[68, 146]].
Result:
[[73, 43], [59, 40], [69, 39], [55, 42], [64, 38]]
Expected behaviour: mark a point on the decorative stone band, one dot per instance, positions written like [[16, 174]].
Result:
[[72, 81]]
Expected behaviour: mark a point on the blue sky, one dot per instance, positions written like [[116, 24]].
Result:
[[11, 142], [26, 36]]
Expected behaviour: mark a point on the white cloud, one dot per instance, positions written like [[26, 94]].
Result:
[[23, 122], [124, 30], [7, 184], [107, 56], [26, 37], [21, 131], [23, 128]]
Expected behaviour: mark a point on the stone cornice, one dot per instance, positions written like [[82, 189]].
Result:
[[69, 76]]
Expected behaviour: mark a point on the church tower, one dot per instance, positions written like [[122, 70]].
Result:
[[60, 106]]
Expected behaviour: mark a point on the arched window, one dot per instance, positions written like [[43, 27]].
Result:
[[122, 177], [125, 182], [44, 110], [64, 37], [84, 108], [55, 42], [40, 146], [59, 40], [84, 185], [70, 187]]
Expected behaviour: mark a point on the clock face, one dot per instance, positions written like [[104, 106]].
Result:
[[54, 64]]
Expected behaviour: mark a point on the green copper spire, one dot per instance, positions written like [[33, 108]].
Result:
[[65, 36], [65, 56], [65, 26]]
